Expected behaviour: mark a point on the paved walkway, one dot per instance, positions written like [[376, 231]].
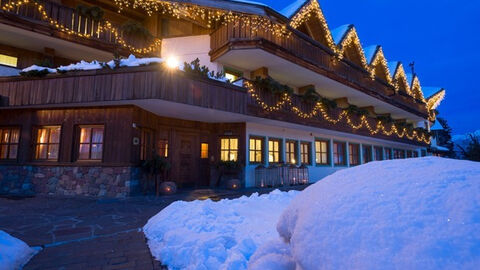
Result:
[[87, 233]]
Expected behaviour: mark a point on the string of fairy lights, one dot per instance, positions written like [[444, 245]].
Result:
[[320, 109], [103, 27], [210, 16]]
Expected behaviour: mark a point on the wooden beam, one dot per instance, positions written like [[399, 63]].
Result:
[[303, 89], [260, 72], [370, 110]]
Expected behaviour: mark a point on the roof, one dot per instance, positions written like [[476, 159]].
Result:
[[338, 34], [370, 52], [291, 9]]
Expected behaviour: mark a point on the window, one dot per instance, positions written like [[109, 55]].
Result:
[[204, 150], [378, 153], [91, 143], [229, 149], [162, 147], [415, 154], [9, 138], [321, 152], [388, 153], [232, 75], [8, 60], [398, 153], [354, 154], [366, 153], [146, 144], [305, 153], [47, 143], [273, 150], [409, 154], [256, 150], [291, 152], [423, 153], [339, 153]]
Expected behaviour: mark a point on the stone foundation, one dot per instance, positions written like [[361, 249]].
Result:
[[117, 182]]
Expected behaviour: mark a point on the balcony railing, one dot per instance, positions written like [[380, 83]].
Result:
[[310, 54]]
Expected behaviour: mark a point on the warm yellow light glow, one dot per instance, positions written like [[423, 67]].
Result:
[[172, 62]]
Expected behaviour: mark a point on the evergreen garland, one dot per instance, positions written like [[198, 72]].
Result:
[[268, 84]]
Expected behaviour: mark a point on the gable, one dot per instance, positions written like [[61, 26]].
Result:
[[350, 48]]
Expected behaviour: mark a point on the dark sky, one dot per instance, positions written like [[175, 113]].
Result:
[[441, 36]]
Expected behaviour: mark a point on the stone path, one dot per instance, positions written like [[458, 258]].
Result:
[[87, 233]]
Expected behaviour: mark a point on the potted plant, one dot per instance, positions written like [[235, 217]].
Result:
[[156, 168], [228, 170]]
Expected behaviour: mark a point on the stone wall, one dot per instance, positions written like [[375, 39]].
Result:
[[115, 182]]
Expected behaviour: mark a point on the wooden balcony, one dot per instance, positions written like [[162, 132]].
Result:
[[136, 84], [312, 55], [29, 18]]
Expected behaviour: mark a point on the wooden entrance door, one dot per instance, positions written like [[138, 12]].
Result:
[[187, 165]]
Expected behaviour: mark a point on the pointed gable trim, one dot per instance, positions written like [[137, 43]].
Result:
[[347, 37]]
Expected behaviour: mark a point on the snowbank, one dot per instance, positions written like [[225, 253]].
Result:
[[82, 65], [215, 235], [14, 253], [421, 213], [132, 61], [39, 68]]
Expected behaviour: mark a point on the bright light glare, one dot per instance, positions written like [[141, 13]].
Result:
[[172, 62]]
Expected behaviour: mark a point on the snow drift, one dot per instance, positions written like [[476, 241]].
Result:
[[215, 235], [14, 253], [421, 213]]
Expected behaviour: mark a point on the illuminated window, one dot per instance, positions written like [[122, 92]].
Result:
[[321, 152], [339, 153], [146, 144], [367, 153], [229, 149], [162, 147], [47, 143], [232, 75], [273, 150], [8, 60], [354, 154], [204, 150], [305, 152], [91, 143], [9, 138], [256, 150], [291, 152], [378, 153]]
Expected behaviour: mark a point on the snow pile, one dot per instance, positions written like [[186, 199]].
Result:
[[39, 68], [14, 253], [421, 213], [133, 61], [215, 235], [82, 65]]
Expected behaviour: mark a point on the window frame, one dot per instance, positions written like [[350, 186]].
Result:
[[369, 147], [262, 149], [328, 161], [165, 149], [9, 144], [280, 148], [388, 156], [344, 155], [375, 148], [90, 143], [350, 154], [144, 155], [229, 150], [5, 64], [36, 143], [308, 154], [295, 151], [202, 150]]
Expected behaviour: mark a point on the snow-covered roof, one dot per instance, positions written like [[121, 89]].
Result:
[[392, 66], [437, 126], [291, 9], [370, 52], [339, 33], [441, 148], [429, 91]]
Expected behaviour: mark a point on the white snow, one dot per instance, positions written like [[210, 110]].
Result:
[[339, 33], [293, 8], [417, 213], [370, 52], [39, 68], [14, 253], [82, 65], [215, 235], [133, 61]]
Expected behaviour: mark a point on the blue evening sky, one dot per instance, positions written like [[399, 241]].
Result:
[[441, 36]]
